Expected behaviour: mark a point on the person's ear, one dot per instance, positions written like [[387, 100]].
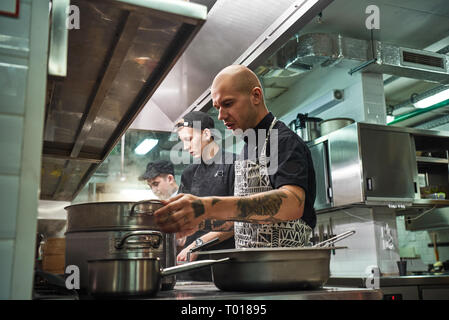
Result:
[[206, 134], [256, 95]]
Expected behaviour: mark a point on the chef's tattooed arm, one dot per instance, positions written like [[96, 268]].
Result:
[[186, 212], [266, 207]]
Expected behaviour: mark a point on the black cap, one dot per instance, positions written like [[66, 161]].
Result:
[[157, 168], [187, 121]]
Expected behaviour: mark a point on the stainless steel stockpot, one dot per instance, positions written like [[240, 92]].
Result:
[[119, 215], [93, 229]]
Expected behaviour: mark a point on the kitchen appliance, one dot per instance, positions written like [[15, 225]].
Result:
[[308, 128], [94, 229], [262, 269], [128, 276], [330, 125]]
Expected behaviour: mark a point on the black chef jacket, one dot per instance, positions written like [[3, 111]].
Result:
[[295, 166], [203, 180]]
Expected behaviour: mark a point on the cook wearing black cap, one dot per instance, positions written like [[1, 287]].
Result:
[[159, 176], [214, 176]]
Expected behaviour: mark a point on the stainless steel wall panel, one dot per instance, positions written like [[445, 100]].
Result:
[[388, 167], [345, 168]]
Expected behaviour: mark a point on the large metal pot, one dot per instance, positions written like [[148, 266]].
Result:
[[330, 125], [93, 230], [119, 215], [134, 276]]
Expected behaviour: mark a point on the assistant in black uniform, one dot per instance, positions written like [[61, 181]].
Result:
[[213, 176]]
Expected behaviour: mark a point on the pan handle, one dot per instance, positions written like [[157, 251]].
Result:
[[335, 239], [190, 266]]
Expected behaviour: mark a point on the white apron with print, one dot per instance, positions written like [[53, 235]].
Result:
[[252, 177]]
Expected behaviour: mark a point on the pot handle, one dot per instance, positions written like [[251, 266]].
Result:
[[133, 208], [138, 233], [190, 266]]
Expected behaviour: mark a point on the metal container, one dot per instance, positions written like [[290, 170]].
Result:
[[330, 125], [267, 269], [133, 276], [120, 215], [308, 128], [260, 269], [93, 230]]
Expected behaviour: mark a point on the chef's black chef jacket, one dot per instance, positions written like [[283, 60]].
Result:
[[295, 166], [204, 180]]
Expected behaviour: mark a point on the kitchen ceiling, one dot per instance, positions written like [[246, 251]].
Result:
[[406, 23]]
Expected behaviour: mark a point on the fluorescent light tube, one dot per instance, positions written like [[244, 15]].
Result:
[[430, 101], [145, 146]]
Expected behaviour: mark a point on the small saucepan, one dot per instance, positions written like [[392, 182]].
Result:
[[129, 276]]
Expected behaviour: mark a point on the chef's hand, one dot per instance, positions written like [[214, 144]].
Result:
[[182, 214], [182, 256]]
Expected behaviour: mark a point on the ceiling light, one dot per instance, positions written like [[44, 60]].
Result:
[[145, 146], [390, 119], [432, 100]]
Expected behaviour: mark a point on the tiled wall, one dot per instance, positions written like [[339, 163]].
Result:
[[22, 98], [415, 243], [373, 244], [378, 245]]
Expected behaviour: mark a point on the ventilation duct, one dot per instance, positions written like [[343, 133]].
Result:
[[324, 50]]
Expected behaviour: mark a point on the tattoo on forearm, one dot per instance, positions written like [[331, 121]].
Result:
[[215, 201], [296, 196], [198, 208], [217, 225], [266, 205]]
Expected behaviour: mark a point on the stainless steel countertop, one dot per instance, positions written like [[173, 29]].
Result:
[[392, 281], [208, 291]]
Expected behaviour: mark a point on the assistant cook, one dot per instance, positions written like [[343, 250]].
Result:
[[213, 176]]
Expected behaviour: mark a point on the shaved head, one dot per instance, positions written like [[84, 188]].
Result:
[[237, 95], [243, 79]]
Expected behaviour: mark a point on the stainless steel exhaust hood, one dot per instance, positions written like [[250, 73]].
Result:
[[116, 60], [234, 29]]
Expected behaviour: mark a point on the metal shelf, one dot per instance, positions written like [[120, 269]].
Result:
[[432, 160]]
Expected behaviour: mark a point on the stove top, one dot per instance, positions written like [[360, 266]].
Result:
[[48, 286]]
